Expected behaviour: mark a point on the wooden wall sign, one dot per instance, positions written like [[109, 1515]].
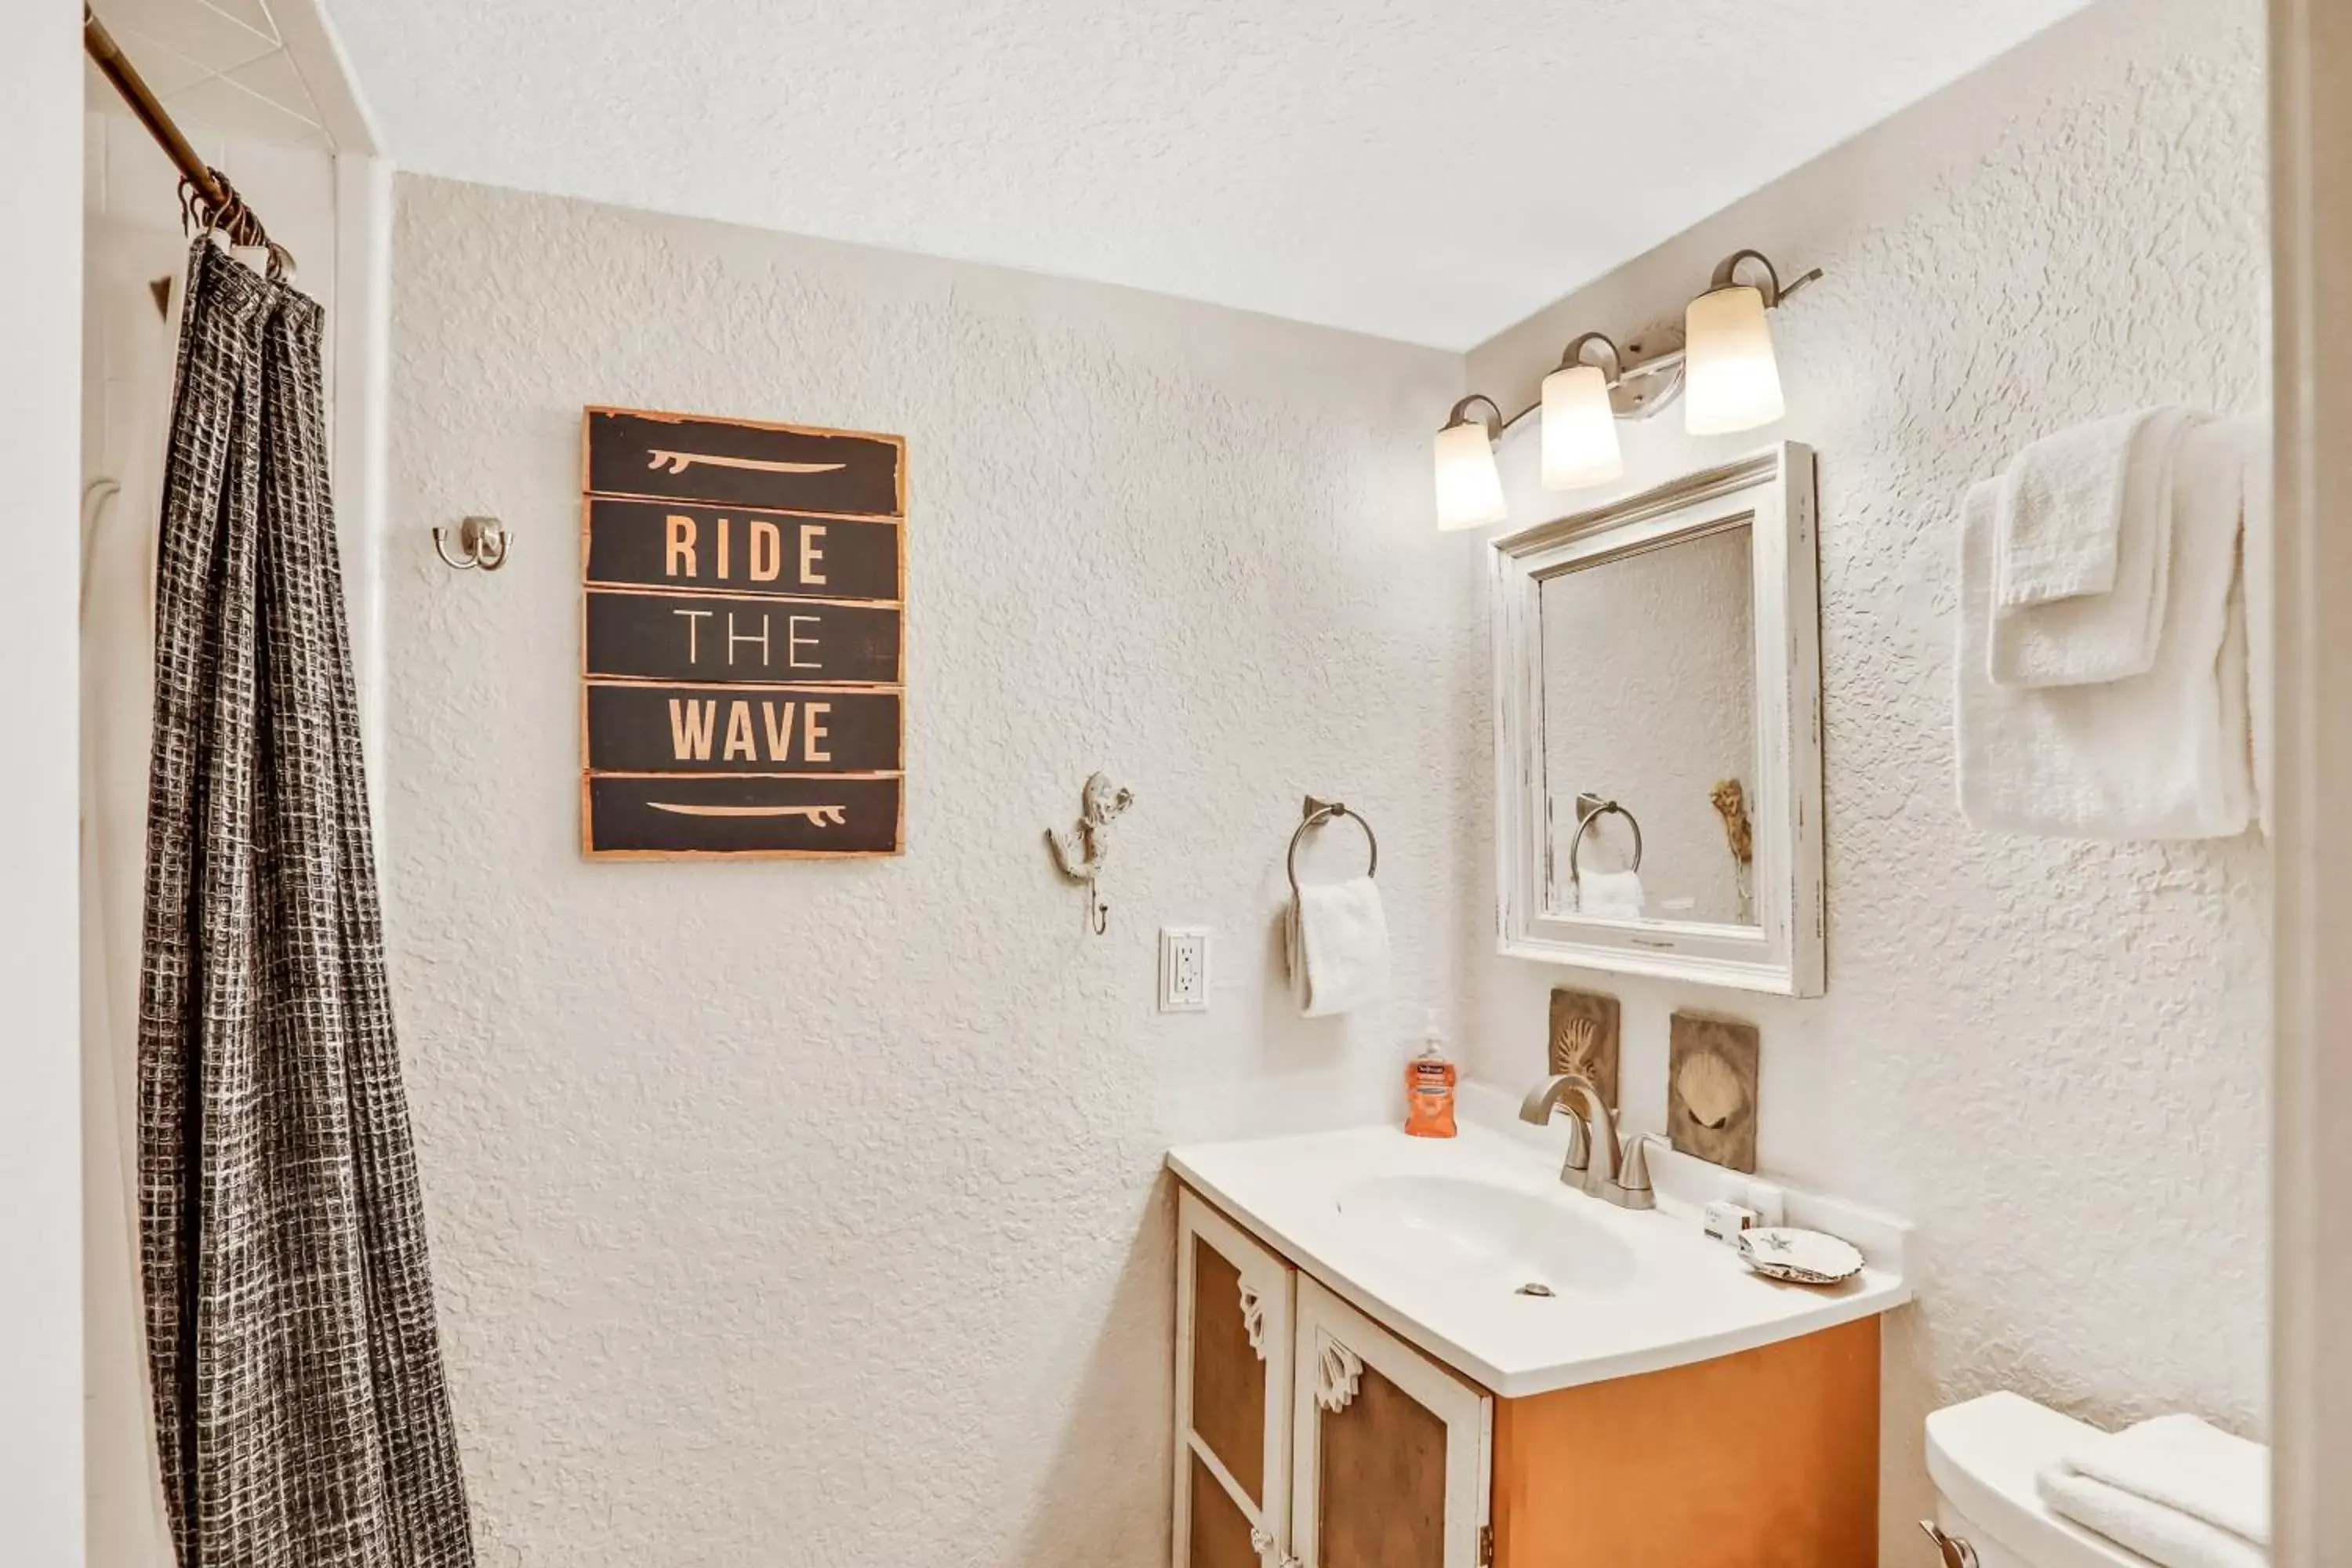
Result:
[[743, 644]]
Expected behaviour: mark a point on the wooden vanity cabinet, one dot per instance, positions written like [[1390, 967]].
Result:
[[1309, 1436], [1766, 1458]]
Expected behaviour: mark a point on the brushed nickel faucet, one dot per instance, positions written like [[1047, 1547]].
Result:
[[1621, 1174]]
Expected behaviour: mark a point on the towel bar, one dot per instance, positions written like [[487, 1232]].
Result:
[[1314, 813]]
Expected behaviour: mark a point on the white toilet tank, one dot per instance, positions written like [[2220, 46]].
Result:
[[1983, 1456]]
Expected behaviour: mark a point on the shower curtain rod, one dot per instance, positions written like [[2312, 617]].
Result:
[[206, 190]]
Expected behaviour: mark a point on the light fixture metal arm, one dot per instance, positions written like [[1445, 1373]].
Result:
[[1495, 421], [1726, 275], [1609, 360]]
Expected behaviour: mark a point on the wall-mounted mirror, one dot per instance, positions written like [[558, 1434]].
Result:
[[1658, 731]]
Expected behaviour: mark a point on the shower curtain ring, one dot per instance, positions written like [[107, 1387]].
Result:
[[482, 541]]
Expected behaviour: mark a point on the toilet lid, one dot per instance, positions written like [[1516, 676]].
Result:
[[1983, 1456]]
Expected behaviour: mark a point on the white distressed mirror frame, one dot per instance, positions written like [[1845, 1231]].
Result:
[[1772, 492]]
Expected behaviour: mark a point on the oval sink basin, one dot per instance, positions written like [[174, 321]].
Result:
[[1511, 1238]]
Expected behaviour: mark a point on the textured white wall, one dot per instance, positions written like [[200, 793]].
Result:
[[1649, 698], [811, 1213], [2053, 1055]]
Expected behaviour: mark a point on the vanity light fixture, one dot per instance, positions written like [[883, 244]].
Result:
[[1580, 425], [1469, 489], [1732, 379], [1722, 357]]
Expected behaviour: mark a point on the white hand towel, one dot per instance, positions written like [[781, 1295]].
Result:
[[2087, 635], [2062, 511], [2262, 599], [1337, 941], [2158, 755], [2176, 1490], [1612, 895]]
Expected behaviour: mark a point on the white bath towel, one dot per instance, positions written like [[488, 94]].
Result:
[[2175, 1489], [2158, 755], [2087, 635], [1336, 937], [1612, 895], [2062, 511]]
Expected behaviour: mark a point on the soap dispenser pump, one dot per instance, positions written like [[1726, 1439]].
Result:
[[1428, 1080]]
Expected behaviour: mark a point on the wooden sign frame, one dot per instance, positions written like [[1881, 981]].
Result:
[[798, 529]]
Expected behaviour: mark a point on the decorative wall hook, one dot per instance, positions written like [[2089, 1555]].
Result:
[[482, 541], [1080, 853]]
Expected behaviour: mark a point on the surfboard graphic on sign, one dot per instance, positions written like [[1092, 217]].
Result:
[[742, 638]]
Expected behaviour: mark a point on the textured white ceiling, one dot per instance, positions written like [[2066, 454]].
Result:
[[1426, 170]]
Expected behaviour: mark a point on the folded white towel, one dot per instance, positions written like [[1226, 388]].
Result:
[[2090, 635], [1613, 895], [2158, 755], [1336, 939], [2174, 1490], [2163, 1536], [2061, 513]]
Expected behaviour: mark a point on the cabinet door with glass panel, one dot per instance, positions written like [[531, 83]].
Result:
[[1233, 1314], [1391, 1461]]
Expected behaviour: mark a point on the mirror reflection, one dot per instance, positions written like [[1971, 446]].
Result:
[[1650, 746]]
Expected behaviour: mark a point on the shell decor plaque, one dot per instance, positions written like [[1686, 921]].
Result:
[[1711, 1069], [744, 650], [1584, 1038]]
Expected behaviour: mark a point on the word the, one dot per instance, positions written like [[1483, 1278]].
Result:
[[794, 641]]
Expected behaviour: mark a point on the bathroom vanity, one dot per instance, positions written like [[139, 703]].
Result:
[[1402, 1353]]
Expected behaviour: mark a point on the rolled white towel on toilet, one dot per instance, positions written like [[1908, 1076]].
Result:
[[2179, 1491], [1336, 939], [2087, 635]]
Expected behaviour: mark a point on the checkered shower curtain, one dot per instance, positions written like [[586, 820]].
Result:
[[301, 1406]]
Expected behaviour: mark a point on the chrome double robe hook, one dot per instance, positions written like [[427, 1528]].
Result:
[[482, 541]]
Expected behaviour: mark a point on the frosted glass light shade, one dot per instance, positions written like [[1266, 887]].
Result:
[[1469, 489], [1730, 381], [1580, 429]]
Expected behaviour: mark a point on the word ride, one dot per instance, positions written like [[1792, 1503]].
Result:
[[670, 636], [657, 544], [704, 728]]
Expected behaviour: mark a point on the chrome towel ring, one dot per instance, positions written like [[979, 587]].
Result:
[[1587, 808], [1314, 813]]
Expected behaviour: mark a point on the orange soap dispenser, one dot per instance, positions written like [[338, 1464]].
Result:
[[1429, 1087]]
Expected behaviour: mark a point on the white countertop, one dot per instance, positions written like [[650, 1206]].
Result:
[[1685, 1298]]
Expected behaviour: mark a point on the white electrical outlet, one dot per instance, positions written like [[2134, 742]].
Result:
[[1183, 969]]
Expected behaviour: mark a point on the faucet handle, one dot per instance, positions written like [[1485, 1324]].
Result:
[[1634, 1170]]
